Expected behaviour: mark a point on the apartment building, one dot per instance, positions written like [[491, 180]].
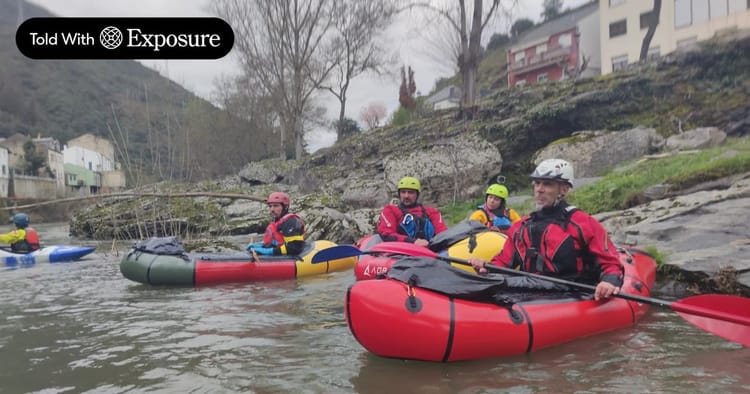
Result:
[[682, 23]]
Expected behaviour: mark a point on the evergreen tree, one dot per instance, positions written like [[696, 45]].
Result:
[[407, 90]]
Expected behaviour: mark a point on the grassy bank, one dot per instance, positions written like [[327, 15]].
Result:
[[622, 189]]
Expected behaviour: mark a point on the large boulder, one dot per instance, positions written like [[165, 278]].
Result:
[[265, 172], [594, 152], [701, 233], [448, 167], [700, 138]]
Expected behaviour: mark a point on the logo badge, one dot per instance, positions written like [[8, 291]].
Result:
[[110, 37], [124, 38]]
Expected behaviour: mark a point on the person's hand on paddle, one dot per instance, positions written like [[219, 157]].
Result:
[[478, 264], [605, 290], [421, 242]]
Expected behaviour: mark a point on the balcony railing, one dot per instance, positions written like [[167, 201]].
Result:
[[543, 59]]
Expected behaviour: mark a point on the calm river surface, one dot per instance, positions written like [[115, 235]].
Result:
[[82, 327]]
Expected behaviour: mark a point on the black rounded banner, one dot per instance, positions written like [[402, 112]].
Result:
[[124, 38]]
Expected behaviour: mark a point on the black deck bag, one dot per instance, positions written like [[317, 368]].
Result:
[[440, 277], [170, 246], [462, 230]]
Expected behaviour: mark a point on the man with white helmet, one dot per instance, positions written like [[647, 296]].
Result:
[[559, 239]]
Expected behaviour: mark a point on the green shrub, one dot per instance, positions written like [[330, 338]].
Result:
[[458, 211], [622, 189], [401, 117]]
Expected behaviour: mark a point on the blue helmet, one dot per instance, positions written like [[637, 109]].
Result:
[[21, 220]]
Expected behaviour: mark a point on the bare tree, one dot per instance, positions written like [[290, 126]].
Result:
[[373, 114], [358, 25], [442, 46], [468, 19], [574, 72], [280, 44], [653, 21]]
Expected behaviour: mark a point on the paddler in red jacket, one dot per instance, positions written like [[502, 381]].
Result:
[[559, 239], [285, 234], [410, 221]]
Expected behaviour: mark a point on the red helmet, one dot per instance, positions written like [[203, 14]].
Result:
[[278, 197]]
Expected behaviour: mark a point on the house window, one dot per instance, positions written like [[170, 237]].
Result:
[[619, 62], [718, 8], [4, 169], [691, 12], [520, 82], [541, 48], [618, 28], [542, 77], [614, 3], [683, 14], [738, 5], [645, 17], [519, 55], [566, 39], [700, 10]]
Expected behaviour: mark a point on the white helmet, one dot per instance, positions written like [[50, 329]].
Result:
[[554, 169]]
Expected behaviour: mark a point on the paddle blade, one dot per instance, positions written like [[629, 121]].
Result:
[[335, 253], [404, 248], [726, 316]]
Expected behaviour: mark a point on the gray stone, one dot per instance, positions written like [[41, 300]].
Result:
[[263, 172], [703, 232], [655, 192], [700, 138], [594, 152]]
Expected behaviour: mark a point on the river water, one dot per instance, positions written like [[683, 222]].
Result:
[[82, 327]]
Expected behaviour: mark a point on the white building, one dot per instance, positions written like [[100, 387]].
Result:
[[447, 97], [624, 23], [88, 159]]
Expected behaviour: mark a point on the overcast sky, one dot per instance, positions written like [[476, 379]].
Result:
[[199, 75]]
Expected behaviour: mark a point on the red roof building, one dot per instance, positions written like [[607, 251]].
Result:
[[565, 47]]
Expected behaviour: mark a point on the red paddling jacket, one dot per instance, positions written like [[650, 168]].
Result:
[[288, 233], [398, 223], [565, 242]]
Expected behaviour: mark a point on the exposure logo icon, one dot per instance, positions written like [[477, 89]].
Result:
[[110, 37]]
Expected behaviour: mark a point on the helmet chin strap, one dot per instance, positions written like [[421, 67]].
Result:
[[558, 199]]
